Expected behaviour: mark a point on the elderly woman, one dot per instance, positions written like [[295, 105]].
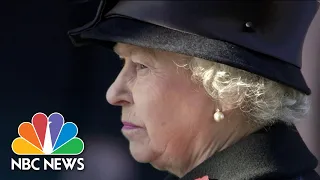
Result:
[[210, 89]]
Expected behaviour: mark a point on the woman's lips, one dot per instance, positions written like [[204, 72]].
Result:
[[128, 126], [131, 131]]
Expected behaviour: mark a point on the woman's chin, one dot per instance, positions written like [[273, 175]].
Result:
[[140, 153]]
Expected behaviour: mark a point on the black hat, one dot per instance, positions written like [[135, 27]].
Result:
[[264, 37]]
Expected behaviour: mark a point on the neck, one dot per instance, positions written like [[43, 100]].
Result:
[[212, 140]]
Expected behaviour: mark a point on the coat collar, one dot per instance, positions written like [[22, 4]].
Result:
[[274, 151]]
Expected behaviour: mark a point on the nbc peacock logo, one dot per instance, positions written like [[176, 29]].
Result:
[[47, 136]]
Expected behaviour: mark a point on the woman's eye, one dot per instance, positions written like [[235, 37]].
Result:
[[140, 66]]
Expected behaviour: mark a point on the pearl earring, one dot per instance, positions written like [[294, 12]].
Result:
[[218, 115]]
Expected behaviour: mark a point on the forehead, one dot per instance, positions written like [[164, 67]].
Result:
[[127, 49]]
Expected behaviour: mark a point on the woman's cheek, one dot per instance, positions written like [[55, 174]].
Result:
[[148, 83]]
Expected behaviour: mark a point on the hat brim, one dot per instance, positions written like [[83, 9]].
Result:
[[126, 30]]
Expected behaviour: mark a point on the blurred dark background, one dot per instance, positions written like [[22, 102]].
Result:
[[41, 71]]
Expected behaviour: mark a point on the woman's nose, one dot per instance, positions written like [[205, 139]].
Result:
[[118, 93]]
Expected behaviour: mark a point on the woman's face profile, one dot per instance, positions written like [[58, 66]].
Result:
[[163, 111]]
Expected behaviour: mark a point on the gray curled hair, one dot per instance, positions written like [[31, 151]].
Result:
[[263, 101]]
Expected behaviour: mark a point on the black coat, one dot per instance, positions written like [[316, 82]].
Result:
[[273, 153]]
